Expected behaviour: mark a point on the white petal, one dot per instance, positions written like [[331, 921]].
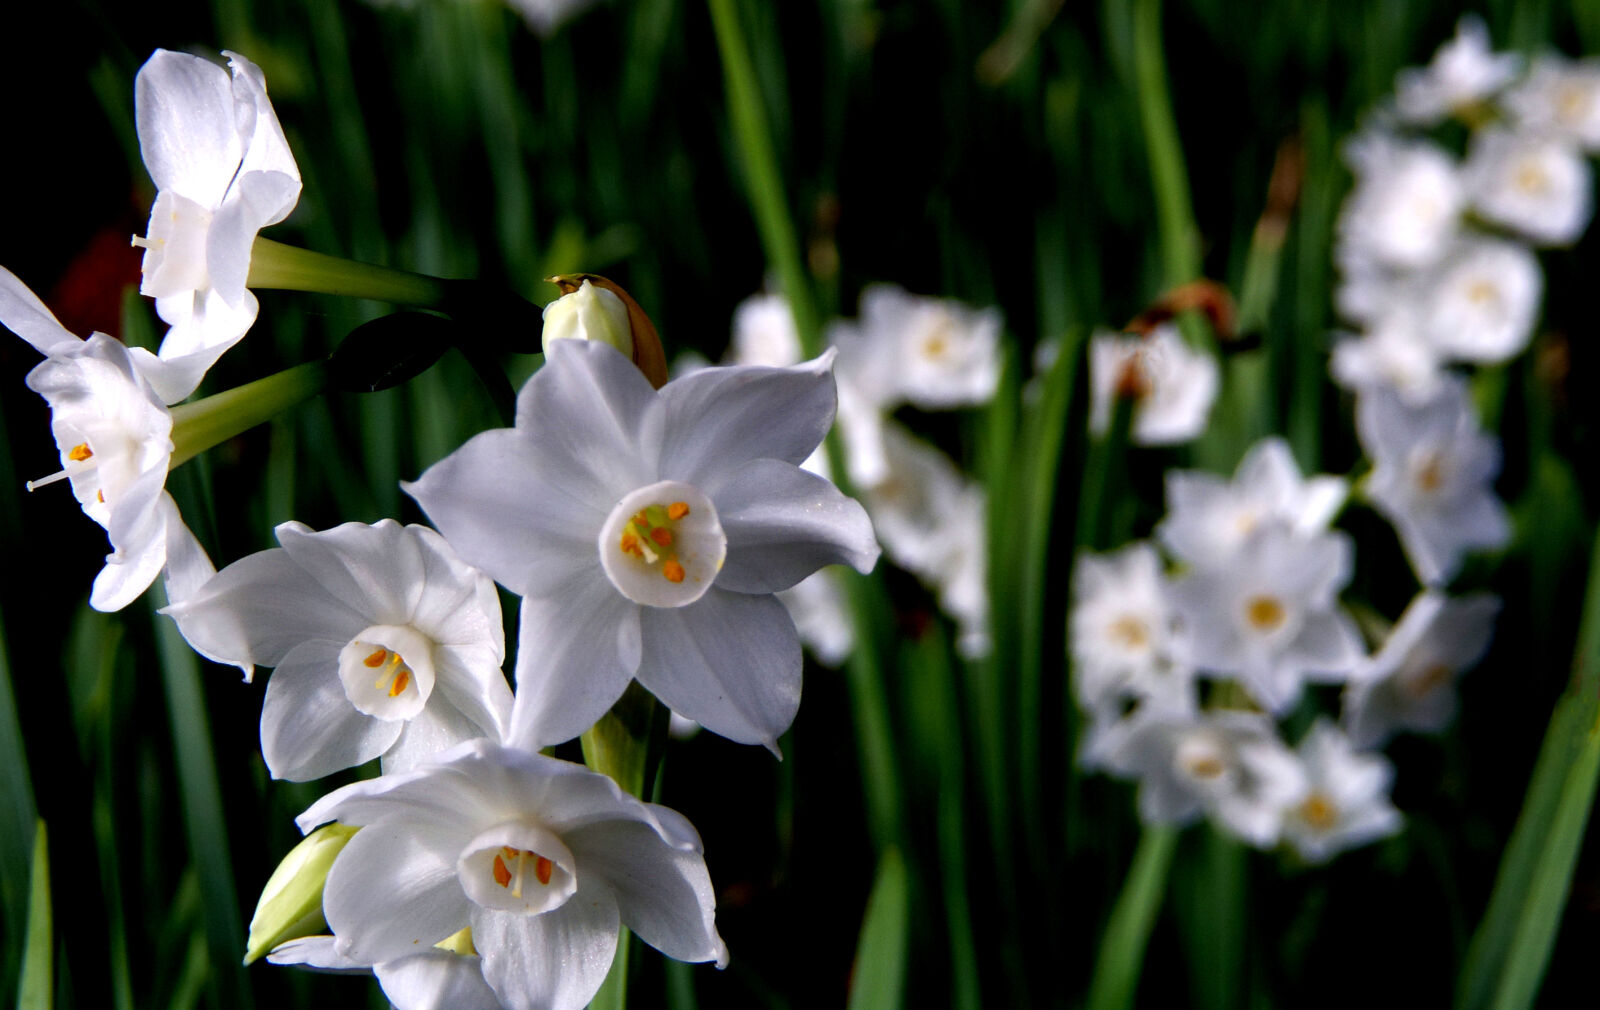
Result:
[[783, 524], [437, 728], [394, 890], [471, 682], [576, 652], [188, 566], [377, 570], [554, 961], [436, 980], [138, 532], [24, 314], [316, 953], [663, 892], [187, 132], [454, 797], [730, 662], [308, 726], [718, 418]]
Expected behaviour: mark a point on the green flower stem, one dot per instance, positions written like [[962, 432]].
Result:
[[202, 424], [1180, 236], [290, 268], [1121, 958]]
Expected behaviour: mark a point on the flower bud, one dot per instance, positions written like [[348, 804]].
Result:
[[594, 308], [291, 904]]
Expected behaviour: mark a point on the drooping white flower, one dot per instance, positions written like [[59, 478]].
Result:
[[1406, 205], [1432, 476], [647, 533], [115, 438], [1172, 384], [433, 979], [383, 642], [223, 171], [1230, 765], [1270, 617], [1409, 683], [1538, 185], [1559, 96], [1346, 802], [1464, 72], [1209, 518], [543, 859], [1482, 301], [1122, 629]]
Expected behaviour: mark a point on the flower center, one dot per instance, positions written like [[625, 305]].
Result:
[[1319, 811], [511, 866], [1203, 760], [518, 867], [175, 247], [1130, 632], [1531, 179], [387, 671], [663, 545], [1481, 292], [1265, 613], [1430, 473], [1427, 680]]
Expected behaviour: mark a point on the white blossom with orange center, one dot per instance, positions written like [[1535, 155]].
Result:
[[114, 435], [1409, 683], [384, 643], [1432, 476], [542, 859], [1123, 633], [1537, 184], [647, 531], [223, 171], [1481, 303], [1270, 619], [1463, 73], [1405, 208], [1346, 798], [1172, 384], [1560, 96]]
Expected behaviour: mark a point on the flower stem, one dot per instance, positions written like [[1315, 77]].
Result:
[[1117, 968], [290, 268], [202, 424]]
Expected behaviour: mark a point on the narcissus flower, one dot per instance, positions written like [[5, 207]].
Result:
[[223, 171], [1172, 385], [1346, 798], [384, 643], [1464, 71], [543, 859], [115, 438], [647, 533]]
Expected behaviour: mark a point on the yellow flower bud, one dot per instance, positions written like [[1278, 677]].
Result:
[[291, 904], [589, 308]]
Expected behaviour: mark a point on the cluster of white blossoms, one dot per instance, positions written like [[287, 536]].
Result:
[[933, 354], [1171, 384], [646, 532]]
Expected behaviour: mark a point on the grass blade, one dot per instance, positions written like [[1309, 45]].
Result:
[[1121, 958], [880, 965], [34, 991]]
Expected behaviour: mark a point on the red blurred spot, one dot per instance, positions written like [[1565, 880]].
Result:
[[88, 297]]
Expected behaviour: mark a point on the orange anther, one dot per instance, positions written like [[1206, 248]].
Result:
[[376, 659], [542, 868], [672, 571], [502, 876], [630, 543], [677, 510], [79, 452], [661, 535], [101, 495], [400, 683]]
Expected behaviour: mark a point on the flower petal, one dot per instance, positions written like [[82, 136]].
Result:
[[308, 726], [316, 953], [730, 662], [24, 314], [663, 892], [437, 728], [436, 980], [783, 523], [184, 109], [188, 566], [377, 570], [554, 961], [138, 532], [576, 652], [717, 418], [394, 889]]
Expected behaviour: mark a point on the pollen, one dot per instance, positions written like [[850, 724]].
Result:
[[649, 537], [1265, 613], [502, 876], [396, 675], [376, 659], [662, 536], [677, 510], [400, 683], [79, 452], [542, 869], [511, 864], [672, 571], [1208, 767], [1319, 811]]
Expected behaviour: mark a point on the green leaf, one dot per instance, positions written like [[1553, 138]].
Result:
[[34, 991], [1121, 958], [878, 977]]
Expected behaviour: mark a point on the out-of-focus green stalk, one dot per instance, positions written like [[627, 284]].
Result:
[[1104, 472], [1122, 945], [34, 988], [17, 805], [204, 821], [1180, 238], [274, 265], [878, 976], [1511, 948], [1313, 239], [880, 777], [202, 424]]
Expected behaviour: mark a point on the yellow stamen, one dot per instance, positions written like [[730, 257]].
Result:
[[672, 571], [400, 684], [542, 868], [662, 536], [376, 659], [1319, 812], [1265, 613], [79, 452], [101, 495], [677, 510], [502, 876]]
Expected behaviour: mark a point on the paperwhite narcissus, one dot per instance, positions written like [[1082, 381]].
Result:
[[543, 859], [647, 532], [1346, 799], [1481, 303], [1538, 185], [431, 979], [115, 438], [223, 171], [1406, 205], [384, 643], [1172, 384], [1560, 96], [1464, 71], [1122, 627]]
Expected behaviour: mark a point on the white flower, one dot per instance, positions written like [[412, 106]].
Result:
[[1409, 684], [115, 439], [1406, 204], [383, 642], [1393, 354], [1173, 385], [764, 333], [543, 859], [646, 533], [1560, 96], [1482, 302], [223, 171], [434, 979], [1228, 764], [1432, 476], [1346, 802], [1123, 633], [1210, 518], [1463, 72], [944, 353], [1538, 185], [1270, 618]]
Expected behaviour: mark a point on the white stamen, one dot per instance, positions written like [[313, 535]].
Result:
[[42, 481]]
